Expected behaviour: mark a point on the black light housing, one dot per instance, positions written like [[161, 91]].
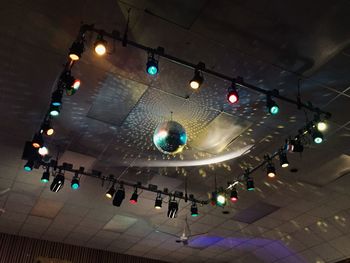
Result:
[[250, 184], [197, 79], [45, 178], [29, 166], [100, 45], [283, 159], [46, 128], [173, 207], [56, 98], [272, 106], [110, 192], [76, 50], [152, 65], [232, 94], [234, 195], [38, 141], [317, 136], [134, 197], [75, 184], [158, 202], [270, 170], [57, 182], [119, 196], [194, 209]]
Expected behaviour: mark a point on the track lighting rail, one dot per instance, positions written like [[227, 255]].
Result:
[[161, 53]]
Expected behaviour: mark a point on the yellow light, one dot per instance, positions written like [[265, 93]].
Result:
[[157, 207], [108, 195], [50, 131], [194, 84], [271, 174], [100, 49], [74, 57], [321, 126]]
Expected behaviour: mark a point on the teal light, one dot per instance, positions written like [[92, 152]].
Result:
[[75, 186], [152, 70], [27, 168], [251, 189], [318, 140], [194, 215], [44, 180], [274, 110]]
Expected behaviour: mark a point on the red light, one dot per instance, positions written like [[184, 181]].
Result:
[[232, 98], [234, 199], [133, 201]]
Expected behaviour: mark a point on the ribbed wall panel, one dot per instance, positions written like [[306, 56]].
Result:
[[17, 249]]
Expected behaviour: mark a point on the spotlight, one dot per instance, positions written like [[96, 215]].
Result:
[[294, 146], [321, 126], [29, 166], [173, 207], [250, 184], [76, 84], [37, 141], [197, 79], [158, 202], [317, 136], [45, 178], [119, 196], [283, 159], [110, 192], [220, 199], [152, 65], [100, 46], [75, 184], [47, 129], [194, 209], [234, 195], [270, 169], [232, 94], [43, 151], [133, 199], [56, 98], [57, 182], [54, 111], [76, 50], [272, 106]]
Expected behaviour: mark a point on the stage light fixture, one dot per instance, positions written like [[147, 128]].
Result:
[[47, 129], [234, 195], [54, 111], [317, 136], [43, 151], [197, 79], [100, 45], [194, 210], [119, 196], [110, 192], [220, 199], [173, 207], [45, 178], [158, 202], [283, 159], [250, 184], [321, 126], [38, 140], [152, 65], [232, 94], [297, 145], [56, 98], [270, 170], [75, 184], [57, 182], [272, 106], [29, 166], [76, 50], [134, 197]]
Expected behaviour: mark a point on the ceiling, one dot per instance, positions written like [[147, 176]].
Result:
[[108, 125]]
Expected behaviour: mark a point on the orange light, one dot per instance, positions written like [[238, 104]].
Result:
[[36, 145], [74, 57]]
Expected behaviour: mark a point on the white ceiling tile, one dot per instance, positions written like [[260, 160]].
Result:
[[342, 244], [46, 208], [327, 252]]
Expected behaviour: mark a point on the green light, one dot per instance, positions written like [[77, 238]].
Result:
[[194, 215], [274, 110], [44, 180]]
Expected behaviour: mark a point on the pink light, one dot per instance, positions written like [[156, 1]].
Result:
[[232, 98]]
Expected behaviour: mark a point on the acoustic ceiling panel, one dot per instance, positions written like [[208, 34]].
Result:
[[255, 212]]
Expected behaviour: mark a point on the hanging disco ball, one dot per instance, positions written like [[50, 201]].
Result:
[[170, 137]]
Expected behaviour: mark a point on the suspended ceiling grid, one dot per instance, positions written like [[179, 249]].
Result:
[[261, 41]]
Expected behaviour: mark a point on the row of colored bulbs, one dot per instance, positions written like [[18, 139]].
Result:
[[100, 48]]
